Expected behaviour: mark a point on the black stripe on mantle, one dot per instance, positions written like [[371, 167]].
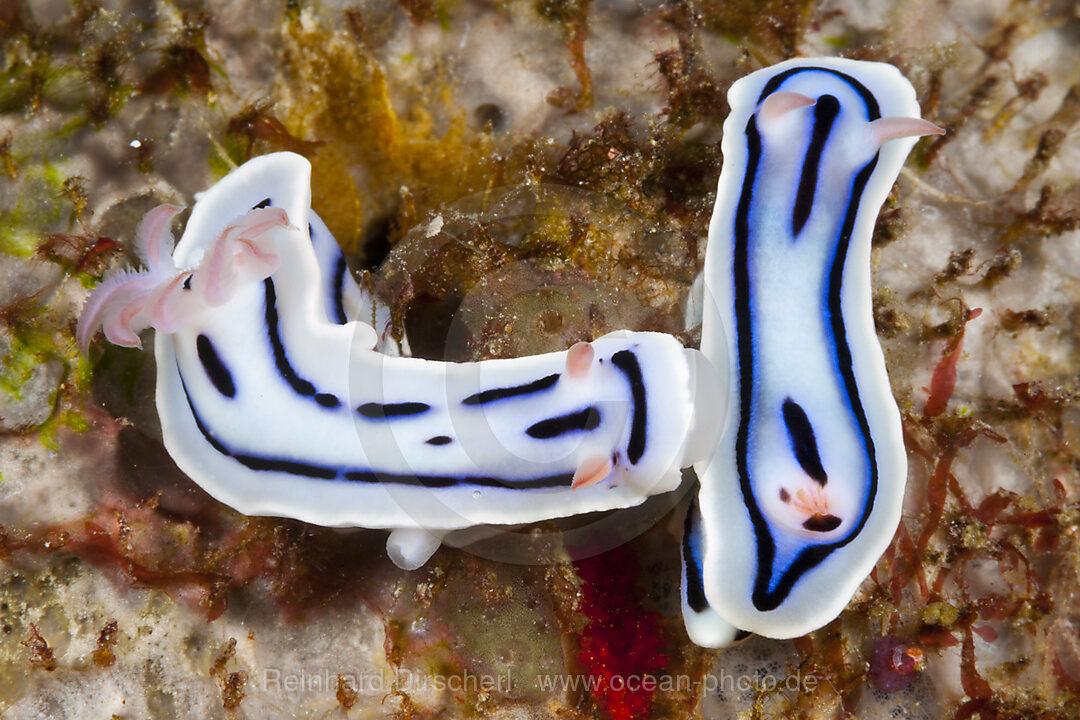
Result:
[[766, 594], [319, 471]]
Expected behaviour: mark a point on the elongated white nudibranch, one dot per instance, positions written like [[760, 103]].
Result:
[[804, 490], [273, 398]]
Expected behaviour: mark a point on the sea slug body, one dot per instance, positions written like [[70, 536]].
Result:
[[274, 398], [804, 490], [278, 396]]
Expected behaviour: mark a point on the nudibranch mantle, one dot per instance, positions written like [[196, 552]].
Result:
[[804, 490], [273, 397]]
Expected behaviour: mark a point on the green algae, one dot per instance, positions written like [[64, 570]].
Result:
[[38, 203]]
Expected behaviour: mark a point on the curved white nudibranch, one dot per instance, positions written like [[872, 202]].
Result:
[[804, 490], [273, 398]]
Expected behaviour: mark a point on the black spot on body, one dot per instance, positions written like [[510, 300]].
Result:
[[825, 111], [292, 467], [340, 271], [215, 369], [439, 440], [384, 411], [437, 481], [281, 359], [627, 362], [803, 442], [587, 419], [695, 588], [327, 400], [822, 523], [487, 396]]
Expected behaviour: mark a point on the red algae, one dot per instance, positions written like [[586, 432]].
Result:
[[182, 64], [622, 646], [944, 378], [895, 664], [256, 124], [103, 655], [79, 253], [41, 655], [201, 563]]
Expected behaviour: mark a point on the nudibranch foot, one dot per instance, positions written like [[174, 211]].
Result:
[[703, 624], [804, 489], [411, 548]]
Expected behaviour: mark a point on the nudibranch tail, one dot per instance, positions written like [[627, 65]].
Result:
[[804, 490], [703, 624]]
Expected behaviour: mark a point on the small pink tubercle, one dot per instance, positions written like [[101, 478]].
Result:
[[579, 359], [781, 103], [591, 471]]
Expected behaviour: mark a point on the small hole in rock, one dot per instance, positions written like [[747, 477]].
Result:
[[490, 115]]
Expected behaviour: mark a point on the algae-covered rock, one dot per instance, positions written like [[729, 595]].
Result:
[[511, 178]]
